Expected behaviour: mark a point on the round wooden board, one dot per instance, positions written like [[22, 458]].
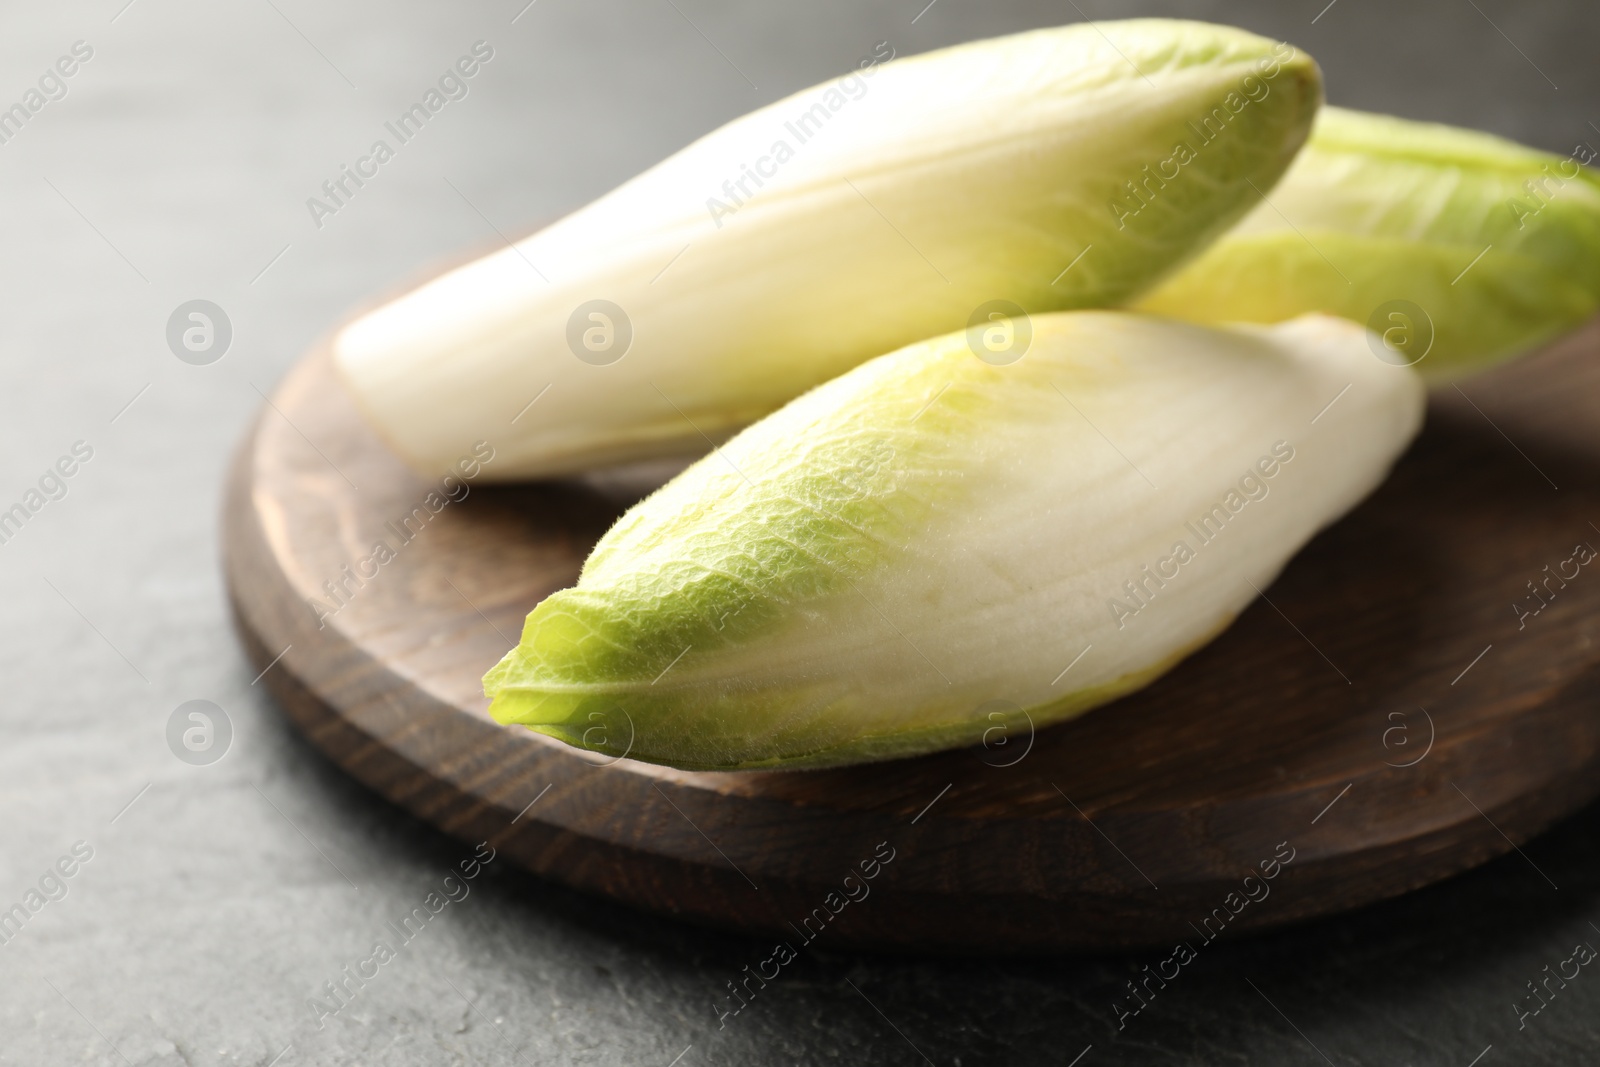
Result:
[[1385, 717]]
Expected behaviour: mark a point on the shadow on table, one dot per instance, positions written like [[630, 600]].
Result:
[[1429, 977]]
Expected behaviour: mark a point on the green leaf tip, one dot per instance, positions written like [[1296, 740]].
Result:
[[1462, 248]]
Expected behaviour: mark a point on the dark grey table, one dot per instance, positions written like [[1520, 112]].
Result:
[[218, 900]]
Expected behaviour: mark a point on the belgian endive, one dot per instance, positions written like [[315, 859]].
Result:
[[1458, 248], [861, 574], [884, 207]]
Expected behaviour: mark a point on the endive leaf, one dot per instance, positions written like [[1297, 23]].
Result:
[[859, 575], [1461, 248], [830, 227]]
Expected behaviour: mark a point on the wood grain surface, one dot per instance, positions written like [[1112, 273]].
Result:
[[1385, 716]]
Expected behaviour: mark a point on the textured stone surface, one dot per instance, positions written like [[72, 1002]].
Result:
[[177, 166]]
